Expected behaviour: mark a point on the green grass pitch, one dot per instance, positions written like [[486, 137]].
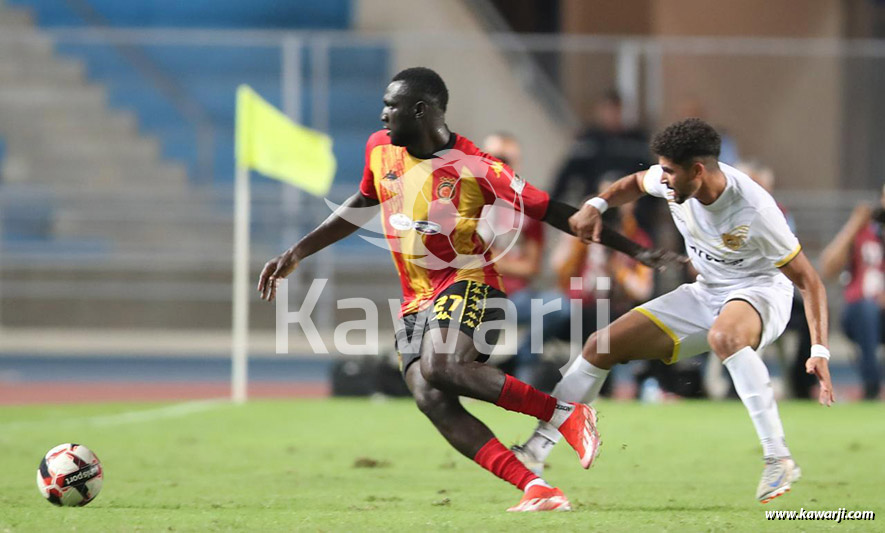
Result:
[[292, 465]]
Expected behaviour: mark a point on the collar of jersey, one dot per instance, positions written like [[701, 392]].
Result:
[[723, 200], [453, 138]]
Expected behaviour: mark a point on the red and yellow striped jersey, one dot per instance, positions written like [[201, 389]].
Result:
[[430, 209]]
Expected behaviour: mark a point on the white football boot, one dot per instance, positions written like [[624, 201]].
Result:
[[777, 478]]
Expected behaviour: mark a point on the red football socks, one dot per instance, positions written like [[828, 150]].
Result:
[[498, 460], [523, 398]]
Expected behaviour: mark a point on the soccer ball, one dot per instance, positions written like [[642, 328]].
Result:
[[69, 475]]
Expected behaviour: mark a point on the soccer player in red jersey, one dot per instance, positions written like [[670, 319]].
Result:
[[431, 185]]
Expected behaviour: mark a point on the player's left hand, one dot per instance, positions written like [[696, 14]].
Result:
[[660, 259], [821, 368]]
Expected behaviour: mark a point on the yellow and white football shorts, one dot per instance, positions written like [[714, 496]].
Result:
[[687, 313]]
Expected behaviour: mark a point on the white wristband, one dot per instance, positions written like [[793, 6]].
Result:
[[819, 350], [599, 203]]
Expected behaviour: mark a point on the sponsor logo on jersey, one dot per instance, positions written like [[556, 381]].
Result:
[[391, 175], [400, 221], [517, 184], [497, 167], [736, 238], [426, 227], [709, 257]]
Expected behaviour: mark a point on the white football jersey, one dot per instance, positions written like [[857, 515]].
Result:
[[738, 239]]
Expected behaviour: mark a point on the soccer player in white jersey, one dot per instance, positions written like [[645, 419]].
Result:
[[746, 257]]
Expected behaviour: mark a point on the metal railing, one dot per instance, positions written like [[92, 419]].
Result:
[[630, 52], [193, 264], [818, 215]]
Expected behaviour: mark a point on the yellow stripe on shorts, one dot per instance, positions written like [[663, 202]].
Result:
[[676, 342], [464, 300]]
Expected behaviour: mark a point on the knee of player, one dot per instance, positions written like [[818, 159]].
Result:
[[725, 343], [427, 399], [424, 402], [436, 370]]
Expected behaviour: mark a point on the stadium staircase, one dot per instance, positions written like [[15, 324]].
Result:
[[59, 133], [101, 179]]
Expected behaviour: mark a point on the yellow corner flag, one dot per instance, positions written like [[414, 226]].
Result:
[[269, 142]]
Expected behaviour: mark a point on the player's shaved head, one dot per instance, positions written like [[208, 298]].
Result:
[[424, 84], [415, 111], [684, 141]]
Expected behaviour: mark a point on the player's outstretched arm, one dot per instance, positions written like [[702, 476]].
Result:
[[814, 295], [587, 222], [560, 216], [341, 223]]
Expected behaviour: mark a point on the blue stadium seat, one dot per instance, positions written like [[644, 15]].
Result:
[[328, 14], [208, 76], [27, 220]]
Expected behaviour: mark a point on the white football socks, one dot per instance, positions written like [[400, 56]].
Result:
[[581, 383], [561, 413], [753, 385]]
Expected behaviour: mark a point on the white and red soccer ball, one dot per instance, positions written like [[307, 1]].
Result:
[[69, 475]]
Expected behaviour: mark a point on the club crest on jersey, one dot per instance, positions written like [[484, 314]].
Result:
[[446, 189], [736, 238]]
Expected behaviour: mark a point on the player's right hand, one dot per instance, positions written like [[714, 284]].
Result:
[[276, 269], [587, 224]]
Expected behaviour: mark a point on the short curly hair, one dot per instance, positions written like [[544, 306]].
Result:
[[685, 140]]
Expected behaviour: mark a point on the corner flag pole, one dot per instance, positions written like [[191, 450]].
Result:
[[240, 341], [269, 142]]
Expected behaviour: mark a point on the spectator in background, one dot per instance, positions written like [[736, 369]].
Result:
[[858, 250], [693, 108], [606, 150], [521, 264], [764, 176], [800, 381]]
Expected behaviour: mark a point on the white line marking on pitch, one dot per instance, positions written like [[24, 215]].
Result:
[[127, 417]]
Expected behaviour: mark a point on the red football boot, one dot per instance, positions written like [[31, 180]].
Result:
[[579, 430], [540, 498]]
